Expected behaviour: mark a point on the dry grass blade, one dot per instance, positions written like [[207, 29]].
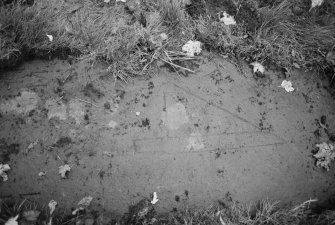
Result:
[[170, 62], [304, 205]]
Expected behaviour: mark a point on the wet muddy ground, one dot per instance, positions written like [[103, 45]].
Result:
[[213, 135]]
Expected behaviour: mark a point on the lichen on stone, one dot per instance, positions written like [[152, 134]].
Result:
[[325, 155]]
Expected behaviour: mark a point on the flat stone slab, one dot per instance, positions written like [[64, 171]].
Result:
[[214, 135]]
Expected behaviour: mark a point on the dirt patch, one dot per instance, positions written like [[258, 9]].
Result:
[[6, 150], [91, 92], [62, 142]]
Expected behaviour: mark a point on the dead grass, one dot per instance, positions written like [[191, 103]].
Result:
[[130, 43], [217, 36], [282, 39], [264, 212], [127, 43]]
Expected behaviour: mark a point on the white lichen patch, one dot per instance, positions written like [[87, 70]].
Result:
[[56, 109], [258, 68], [76, 110], [22, 104], [63, 170], [3, 169], [287, 85], [175, 116], [227, 19], [195, 142], [192, 48], [325, 155]]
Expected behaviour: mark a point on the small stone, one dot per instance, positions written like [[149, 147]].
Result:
[[42, 174], [109, 154]]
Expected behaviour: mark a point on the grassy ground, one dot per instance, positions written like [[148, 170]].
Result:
[[264, 212], [127, 37]]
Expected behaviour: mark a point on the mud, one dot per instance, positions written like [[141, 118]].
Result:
[[214, 135]]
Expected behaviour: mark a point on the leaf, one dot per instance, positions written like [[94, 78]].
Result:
[[222, 222], [77, 210], [32, 145], [52, 206], [296, 65], [86, 201], [258, 67], [12, 221], [42, 173], [154, 199], [316, 3], [51, 38]]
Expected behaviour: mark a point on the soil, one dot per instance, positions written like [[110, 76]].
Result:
[[213, 135]]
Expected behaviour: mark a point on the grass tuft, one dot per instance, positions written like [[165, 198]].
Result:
[[264, 212], [126, 37]]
